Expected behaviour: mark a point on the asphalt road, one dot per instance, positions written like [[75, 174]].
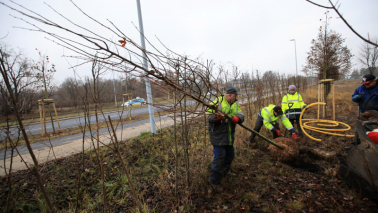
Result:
[[67, 139], [35, 128]]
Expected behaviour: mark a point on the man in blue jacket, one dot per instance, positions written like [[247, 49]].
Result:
[[222, 134], [366, 96]]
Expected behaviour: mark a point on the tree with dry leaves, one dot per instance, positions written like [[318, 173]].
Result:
[[328, 57]]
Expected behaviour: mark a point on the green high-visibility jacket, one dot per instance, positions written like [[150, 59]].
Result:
[[269, 118], [296, 99], [222, 132]]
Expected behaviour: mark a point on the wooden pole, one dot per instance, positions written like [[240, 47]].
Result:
[[333, 101], [318, 99], [44, 116], [40, 116], [129, 110], [57, 118], [123, 107], [324, 99]]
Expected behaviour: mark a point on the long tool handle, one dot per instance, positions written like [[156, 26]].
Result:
[[254, 132]]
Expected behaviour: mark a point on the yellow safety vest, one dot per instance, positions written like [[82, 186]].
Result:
[[268, 118]]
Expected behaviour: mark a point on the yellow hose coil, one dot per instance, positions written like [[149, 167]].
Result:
[[323, 123]]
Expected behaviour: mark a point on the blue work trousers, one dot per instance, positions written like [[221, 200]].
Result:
[[298, 125], [223, 156]]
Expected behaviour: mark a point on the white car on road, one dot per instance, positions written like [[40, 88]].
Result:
[[136, 101]]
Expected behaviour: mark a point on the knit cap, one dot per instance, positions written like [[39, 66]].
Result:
[[292, 87]]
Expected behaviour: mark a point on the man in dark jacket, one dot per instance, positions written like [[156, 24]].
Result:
[[366, 96], [222, 132]]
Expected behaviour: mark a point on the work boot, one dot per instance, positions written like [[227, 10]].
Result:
[[216, 187], [228, 173]]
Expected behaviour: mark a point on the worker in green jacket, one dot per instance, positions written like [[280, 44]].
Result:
[[292, 105], [269, 116], [222, 132]]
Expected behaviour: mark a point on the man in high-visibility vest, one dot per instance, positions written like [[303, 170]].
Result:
[[269, 116], [222, 132], [292, 105]]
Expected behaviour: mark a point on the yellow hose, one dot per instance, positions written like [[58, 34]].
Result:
[[324, 123]]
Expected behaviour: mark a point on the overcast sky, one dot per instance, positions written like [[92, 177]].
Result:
[[251, 34]]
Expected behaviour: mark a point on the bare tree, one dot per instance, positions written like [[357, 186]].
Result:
[[4, 70], [45, 76], [355, 74], [368, 56], [22, 80], [69, 91], [335, 8]]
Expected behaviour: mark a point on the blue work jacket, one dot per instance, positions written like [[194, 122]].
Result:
[[369, 100]]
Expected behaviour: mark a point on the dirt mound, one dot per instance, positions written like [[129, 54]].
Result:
[[290, 151]]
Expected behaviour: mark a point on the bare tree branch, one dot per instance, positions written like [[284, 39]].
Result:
[[350, 27]]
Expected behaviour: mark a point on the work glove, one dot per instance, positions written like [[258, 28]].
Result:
[[356, 98], [220, 116], [278, 132], [304, 106], [373, 137], [294, 136], [235, 120]]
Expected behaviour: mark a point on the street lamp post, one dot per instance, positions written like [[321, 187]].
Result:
[[296, 64], [145, 66]]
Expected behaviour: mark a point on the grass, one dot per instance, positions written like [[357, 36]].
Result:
[[262, 184]]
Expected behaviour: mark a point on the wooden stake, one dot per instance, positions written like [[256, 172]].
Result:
[[40, 117], [333, 101], [123, 107], [44, 116], [56, 114], [318, 99], [129, 111], [324, 106]]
